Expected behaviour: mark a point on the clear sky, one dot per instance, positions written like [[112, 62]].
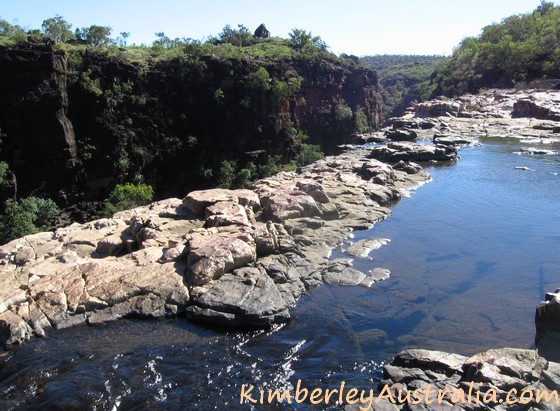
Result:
[[359, 27]]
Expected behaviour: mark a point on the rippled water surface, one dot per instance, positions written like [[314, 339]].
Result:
[[471, 254]]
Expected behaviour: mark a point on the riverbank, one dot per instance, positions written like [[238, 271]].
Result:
[[236, 258]]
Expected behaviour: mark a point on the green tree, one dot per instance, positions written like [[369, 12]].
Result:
[[124, 37], [227, 173], [300, 39], [58, 29], [239, 37], [95, 35], [4, 168], [26, 216], [127, 196], [308, 154], [6, 29]]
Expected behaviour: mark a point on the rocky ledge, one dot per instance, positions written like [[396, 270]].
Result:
[[227, 257], [530, 115]]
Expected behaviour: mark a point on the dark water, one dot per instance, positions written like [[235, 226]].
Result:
[[471, 254]]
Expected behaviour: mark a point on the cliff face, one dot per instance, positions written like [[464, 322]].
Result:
[[74, 125], [37, 138]]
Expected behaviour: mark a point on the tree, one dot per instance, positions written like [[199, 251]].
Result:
[[58, 29], [301, 39], [124, 35], [127, 196], [308, 154], [95, 35], [238, 37], [11, 31], [26, 216], [6, 29]]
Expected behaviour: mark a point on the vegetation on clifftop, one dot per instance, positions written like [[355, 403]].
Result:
[[520, 48]]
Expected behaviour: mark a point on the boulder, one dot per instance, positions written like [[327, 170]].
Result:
[[246, 297], [437, 108], [13, 329], [225, 213], [402, 135], [210, 257]]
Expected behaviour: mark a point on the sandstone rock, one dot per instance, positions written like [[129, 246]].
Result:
[[374, 276], [112, 245], [197, 201], [314, 189], [341, 272], [433, 360], [288, 203], [500, 369], [541, 109], [211, 257], [173, 253], [534, 150], [408, 167], [225, 213]]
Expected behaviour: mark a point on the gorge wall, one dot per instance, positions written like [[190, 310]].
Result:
[[73, 124]]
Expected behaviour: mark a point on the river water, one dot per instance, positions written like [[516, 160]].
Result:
[[471, 254]]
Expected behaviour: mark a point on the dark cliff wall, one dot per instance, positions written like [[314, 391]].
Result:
[[37, 138], [71, 131]]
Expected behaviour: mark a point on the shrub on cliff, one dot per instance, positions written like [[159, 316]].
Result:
[[26, 216], [127, 196]]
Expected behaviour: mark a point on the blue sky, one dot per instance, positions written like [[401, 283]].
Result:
[[359, 27]]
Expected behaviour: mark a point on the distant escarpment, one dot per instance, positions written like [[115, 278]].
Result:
[[75, 122]]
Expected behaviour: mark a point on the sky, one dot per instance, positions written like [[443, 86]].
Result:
[[359, 27]]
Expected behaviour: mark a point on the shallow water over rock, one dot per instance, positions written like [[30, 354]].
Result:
[[470, 255]]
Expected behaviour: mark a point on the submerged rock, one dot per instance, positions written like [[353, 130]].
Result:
[[363, 248]]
